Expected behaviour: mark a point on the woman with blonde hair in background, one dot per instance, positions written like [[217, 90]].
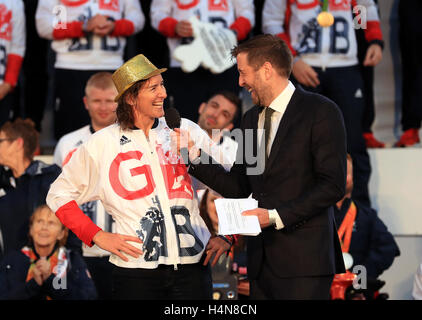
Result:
[[24, 183], [45, 269]]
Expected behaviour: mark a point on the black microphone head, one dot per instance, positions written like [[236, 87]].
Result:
[[172, 117]]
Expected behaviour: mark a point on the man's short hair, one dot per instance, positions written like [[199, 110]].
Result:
[[267, 47], [233, 98], [100, 80]]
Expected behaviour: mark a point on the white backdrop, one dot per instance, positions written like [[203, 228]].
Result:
[[396, 189]]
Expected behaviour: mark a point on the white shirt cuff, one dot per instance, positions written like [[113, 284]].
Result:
[[275, 219]]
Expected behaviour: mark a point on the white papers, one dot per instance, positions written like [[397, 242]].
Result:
[[230, 219]]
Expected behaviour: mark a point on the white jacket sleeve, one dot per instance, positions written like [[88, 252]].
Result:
[[45, 18], [372, 28], [371, 9], [246, 9], [133, 12], [79, 181], [204, 142], [19, 31], [273, 15], [160, 9]]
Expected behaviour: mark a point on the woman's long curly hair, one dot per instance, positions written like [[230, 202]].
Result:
[[124, 112]]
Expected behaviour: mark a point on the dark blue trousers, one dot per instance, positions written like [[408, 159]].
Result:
[[188, 282]]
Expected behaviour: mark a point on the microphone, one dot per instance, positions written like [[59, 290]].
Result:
[[173, 120], [172, 117]]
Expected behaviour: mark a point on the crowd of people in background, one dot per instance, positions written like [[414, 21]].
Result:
[[60, 54], [56, 46]]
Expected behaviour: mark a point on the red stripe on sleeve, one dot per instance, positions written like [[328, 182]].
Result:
[[373, 31], [13, 67], [286, 39], [242, 26], [167, 27], [70, 30], [81, 225], [123, 28]]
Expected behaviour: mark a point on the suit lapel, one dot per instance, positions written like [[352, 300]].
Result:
[[285, 123]]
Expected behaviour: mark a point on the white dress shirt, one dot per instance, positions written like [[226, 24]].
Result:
[[279, 105]]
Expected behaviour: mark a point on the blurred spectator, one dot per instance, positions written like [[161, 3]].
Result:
[[88, 36], [170, 18], [410, 34], [326, 62], [217, 117], [12, 50], [233, 264], [364, 236], [368, 91], [45, 269], [219, 114], [99, 101], [25, 182]]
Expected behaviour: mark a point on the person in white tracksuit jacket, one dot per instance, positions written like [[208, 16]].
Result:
[[87, 36], [12, 51], [100, 92], [171, 19], [131, 167]]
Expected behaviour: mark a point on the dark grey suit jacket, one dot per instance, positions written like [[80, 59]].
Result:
[[304, 177]]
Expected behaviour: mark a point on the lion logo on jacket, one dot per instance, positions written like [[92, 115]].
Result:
[[152, 233]]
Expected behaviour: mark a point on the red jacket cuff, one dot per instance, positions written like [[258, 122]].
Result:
[[123, 28], [242, 26], [13, 67], [69, 30], [167, 27], [373, 31], [75, 219]]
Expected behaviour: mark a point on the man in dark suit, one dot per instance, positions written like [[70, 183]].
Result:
[[303, 176]]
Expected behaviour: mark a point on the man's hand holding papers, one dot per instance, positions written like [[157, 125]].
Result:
[[262, 214], [232, 221]]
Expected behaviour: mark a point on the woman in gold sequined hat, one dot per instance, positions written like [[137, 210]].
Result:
[[129, 79], [158, 248]]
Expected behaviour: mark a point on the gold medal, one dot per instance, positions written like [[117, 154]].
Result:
[[325, 19]]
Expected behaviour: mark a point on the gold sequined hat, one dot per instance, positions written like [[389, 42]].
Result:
[[136, 69]]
